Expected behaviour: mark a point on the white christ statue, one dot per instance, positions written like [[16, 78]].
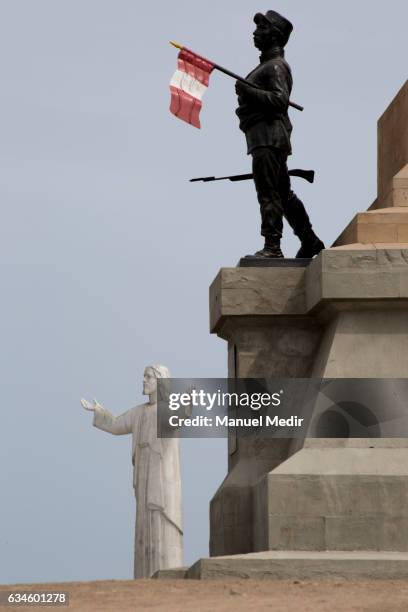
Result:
[[156, 479]]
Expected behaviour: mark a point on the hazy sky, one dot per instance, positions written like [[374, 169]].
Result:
[[107, 250]]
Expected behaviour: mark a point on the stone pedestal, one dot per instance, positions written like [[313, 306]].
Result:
[[345, 315]]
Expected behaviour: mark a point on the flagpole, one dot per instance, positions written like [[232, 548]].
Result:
[[228, 72]]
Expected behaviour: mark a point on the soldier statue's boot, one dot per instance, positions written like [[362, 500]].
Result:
[[297, 217], [272, 247], [310, 246]]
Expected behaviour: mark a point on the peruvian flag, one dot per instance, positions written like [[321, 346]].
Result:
[[188, 86]]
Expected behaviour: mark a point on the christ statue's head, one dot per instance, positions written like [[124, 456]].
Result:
[[151, 374]]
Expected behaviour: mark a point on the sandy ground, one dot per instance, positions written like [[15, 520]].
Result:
[[234, 595]]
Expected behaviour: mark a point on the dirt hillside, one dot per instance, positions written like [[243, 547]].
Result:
[[234, 596]]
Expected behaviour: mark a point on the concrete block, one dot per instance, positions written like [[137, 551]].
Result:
[[355, 343], [398, 194], [328, 498], [380, 225], [392, 141], [402, 232], [173, 573], [304, 565], [366, 532], [299, 531], [357, 275], [256, 292]]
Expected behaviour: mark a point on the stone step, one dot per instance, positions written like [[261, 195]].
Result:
[[173, 573], [382, 225], [398, 194], [304, 565]]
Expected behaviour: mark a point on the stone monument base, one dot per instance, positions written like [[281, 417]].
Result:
[[349, 495], [300, 565]]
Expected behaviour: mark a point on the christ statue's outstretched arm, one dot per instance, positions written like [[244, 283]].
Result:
[[103, 419]]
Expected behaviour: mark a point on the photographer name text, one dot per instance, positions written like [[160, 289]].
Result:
[[225, 421]]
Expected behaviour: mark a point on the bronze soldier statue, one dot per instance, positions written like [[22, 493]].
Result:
[[263, 115]]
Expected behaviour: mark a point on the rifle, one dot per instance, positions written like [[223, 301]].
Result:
[[307, 175]]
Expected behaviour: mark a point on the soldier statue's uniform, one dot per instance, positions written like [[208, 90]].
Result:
[[263, 116]]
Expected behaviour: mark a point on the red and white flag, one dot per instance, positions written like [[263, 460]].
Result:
[[188, 86]]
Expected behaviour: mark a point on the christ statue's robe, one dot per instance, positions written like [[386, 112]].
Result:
[[157, 484]]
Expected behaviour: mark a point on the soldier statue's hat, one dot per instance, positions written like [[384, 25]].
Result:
[[279, 22]]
